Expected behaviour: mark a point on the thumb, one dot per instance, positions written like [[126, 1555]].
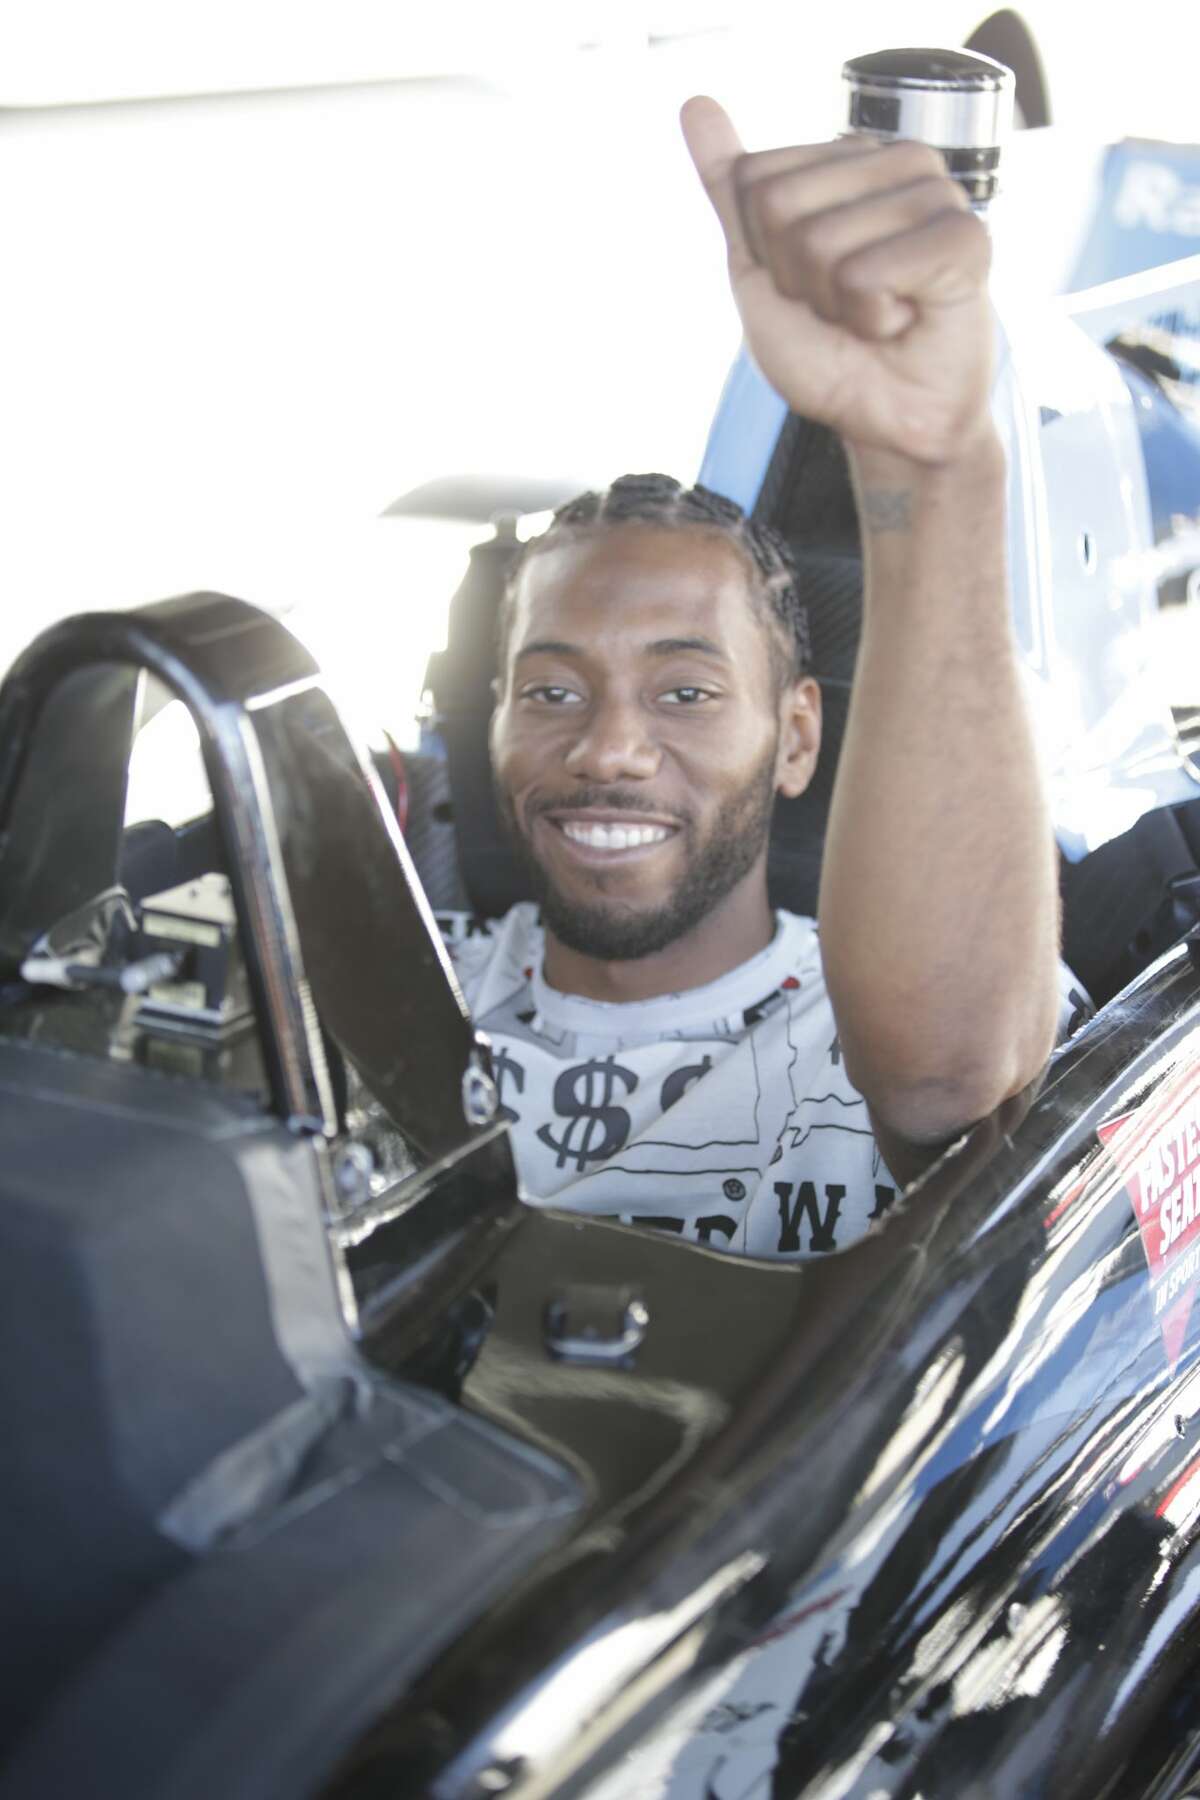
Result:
[[715, 148]]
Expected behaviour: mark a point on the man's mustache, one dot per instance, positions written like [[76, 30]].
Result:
[[597, 799]]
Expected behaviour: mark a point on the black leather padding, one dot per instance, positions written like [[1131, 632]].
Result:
[[461, 679], [257, 1669], [461, 682], [1129, 900], [832, 587], [136, 1337]]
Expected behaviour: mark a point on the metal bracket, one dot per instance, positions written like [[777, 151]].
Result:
[[597, 1325]]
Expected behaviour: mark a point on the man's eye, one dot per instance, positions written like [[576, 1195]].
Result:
[[686, 696], [549, 695]]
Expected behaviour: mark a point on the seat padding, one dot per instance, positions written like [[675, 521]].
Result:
[[252, 1674]]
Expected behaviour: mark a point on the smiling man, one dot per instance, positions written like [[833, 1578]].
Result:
[[653, 704], [670, 1050]]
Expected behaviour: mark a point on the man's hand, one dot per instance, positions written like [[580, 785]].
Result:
[[860, 274], [861, 277]]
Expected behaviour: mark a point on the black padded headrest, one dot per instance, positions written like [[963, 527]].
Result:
[[832, 588], [461, 682]]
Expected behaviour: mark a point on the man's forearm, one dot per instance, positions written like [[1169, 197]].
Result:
[[861, 277], [939, 918]]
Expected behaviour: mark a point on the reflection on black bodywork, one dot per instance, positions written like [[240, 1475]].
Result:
[[394, 1017], [62, 834], [913, 1519]]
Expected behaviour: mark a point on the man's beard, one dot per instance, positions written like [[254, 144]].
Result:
[[615, 931]]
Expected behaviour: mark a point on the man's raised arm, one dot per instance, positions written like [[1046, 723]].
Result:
[[861, 278]]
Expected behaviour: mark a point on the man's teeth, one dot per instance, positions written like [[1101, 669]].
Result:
[[615, 837]]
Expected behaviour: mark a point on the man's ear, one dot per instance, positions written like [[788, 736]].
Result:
[[799, 736]]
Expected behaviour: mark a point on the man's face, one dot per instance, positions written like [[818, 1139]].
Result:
[[640, 739]]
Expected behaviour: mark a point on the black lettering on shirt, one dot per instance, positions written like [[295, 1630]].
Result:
[[597, 1128], [507, 1069], [821, 1225], [706, 1227], [762, 1009], [884, 1198], [680, 1080]]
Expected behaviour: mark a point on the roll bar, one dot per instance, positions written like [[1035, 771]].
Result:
[[329, 906]]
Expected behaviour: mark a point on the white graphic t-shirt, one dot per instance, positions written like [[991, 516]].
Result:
[[723, 1113]]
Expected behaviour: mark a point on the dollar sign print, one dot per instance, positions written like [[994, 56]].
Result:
[[680, 1080], [597, 1128], [505, 1066]]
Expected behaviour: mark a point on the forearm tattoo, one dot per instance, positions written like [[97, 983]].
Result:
[[887, 509]]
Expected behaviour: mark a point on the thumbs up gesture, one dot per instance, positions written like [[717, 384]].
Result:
[[860, 274]]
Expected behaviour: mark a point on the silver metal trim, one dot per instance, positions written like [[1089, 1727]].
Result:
[[308, 1092], [945, 117], [304, 685], [480, 1096], [600, 1350], [385, 1208]]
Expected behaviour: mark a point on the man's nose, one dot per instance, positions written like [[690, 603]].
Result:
[[615, 743]]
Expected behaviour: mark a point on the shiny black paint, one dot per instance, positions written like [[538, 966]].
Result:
[[939, 1485], [926, 1477]]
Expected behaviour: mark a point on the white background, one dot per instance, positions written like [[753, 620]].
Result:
[[235, 325]]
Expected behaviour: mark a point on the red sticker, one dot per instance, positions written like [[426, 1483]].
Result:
[[1157, 1154]]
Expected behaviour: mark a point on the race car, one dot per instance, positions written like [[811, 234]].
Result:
[[333, 1469]]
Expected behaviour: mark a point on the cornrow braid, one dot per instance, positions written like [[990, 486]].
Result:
[[661, 500]]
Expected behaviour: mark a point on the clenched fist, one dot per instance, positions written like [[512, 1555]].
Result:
[[861, 277]]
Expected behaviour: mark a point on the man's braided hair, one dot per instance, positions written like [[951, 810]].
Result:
[[663, 501]]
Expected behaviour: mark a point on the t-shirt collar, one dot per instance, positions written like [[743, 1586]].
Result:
[[671, 1014]]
